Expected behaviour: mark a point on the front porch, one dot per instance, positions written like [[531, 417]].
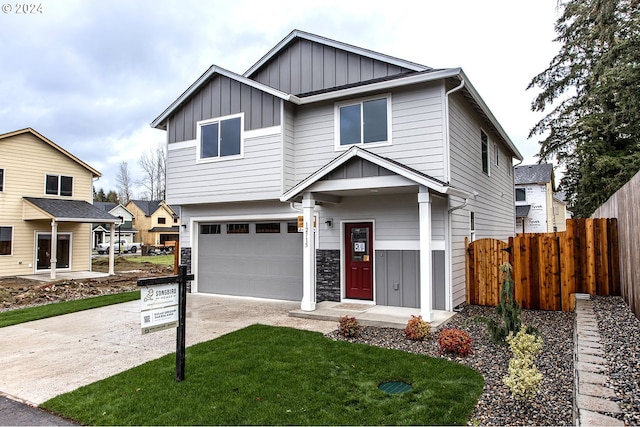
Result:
[[370, 315]]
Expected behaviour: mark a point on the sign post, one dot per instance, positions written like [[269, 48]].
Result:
[[165, 306]]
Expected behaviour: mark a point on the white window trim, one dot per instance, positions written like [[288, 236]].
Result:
[[488, 172], [336, 121], [201, 123], [13, 239], [59, 175], [525, 194]]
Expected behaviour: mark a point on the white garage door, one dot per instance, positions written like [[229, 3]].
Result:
[[261, 259]]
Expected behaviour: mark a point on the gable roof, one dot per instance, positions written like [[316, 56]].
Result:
[[533, 174], [70, 210], [420, 74], [160, 122], [295, 34], [386, 163], [53, 145], [147, 206]]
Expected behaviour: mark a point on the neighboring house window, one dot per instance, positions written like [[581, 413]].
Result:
[[210, 229], [6, 240], [162, 220], [175, 220], [521, 195], [484, 140], [1, 179], [363, 122], [220, 138], [473, 226], [59, 185]]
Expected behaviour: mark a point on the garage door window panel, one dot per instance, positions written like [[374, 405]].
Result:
[[237, 228], [268, 228]]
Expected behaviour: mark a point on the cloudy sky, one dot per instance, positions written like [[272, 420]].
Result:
[[92, 74]]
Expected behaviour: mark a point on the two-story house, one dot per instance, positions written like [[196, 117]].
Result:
[[331, 172], [124, 229], [157, 223], [46, 208], [539, 209]]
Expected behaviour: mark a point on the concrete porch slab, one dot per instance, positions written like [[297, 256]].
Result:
[[369, 314], [66, 275]]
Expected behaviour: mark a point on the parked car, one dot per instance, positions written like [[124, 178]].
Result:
[[103, 248]]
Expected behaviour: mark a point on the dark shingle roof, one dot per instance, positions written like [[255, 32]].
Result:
[[147, 206], [106, 206], [174, 229], [533, 174], [71, 209]]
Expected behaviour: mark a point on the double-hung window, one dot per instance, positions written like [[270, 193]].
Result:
[[59, 185], [6, 240], [220, 137], [363, 122]]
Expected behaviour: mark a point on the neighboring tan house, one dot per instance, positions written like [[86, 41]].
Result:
[[539, 209], [46, 207], [157, 223], [124, 229], [332, 172]]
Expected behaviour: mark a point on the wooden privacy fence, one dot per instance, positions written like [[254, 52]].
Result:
[[547, 267]]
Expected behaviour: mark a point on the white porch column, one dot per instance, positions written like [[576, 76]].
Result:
[[54, 248], [308, 255], [112, 238], [426, 285]]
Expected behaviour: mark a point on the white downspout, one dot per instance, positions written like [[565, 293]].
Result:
[[447, 160]]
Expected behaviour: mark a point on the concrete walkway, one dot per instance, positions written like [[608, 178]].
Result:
[[592, 399], [45, 358]]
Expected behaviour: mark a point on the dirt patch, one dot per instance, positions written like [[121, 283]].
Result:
[[18, 292]]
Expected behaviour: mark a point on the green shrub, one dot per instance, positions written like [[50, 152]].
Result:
[[524, 378], [455, 341], [417, 328], [349, 327]]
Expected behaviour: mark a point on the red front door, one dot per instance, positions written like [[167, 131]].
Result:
[[359, 260]]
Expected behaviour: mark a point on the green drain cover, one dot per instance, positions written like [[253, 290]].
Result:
[[395, 387]]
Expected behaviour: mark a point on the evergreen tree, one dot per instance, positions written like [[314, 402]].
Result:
[[593, 129], [99, 196], [112, 197]]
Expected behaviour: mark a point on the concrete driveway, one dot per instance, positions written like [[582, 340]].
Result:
[[45, 358]]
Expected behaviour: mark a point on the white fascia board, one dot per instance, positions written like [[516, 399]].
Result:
[[335, 44], [384, 85], [474, 93], [203, 79], [88, 220]]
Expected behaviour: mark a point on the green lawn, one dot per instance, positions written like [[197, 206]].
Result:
[[13, 317], [264, 375], [156, 259]]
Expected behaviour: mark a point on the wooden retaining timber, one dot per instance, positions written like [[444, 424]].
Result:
[[547, 267]]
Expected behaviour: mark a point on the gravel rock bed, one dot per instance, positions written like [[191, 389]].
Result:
[[553, 404], [620, 337]]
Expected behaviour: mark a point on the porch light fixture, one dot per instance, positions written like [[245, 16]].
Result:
[[329, 222]]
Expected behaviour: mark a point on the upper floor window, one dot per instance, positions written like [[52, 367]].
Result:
[[363, 122], [521, 195], [484, 141], [1, 179], [162, 220], [59, 185], [220, 138], [6, 240]]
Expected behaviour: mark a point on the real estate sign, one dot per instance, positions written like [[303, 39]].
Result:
[[159, 307]]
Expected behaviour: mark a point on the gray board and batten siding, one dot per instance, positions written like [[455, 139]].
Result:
[[222, 96], [306, 66]]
